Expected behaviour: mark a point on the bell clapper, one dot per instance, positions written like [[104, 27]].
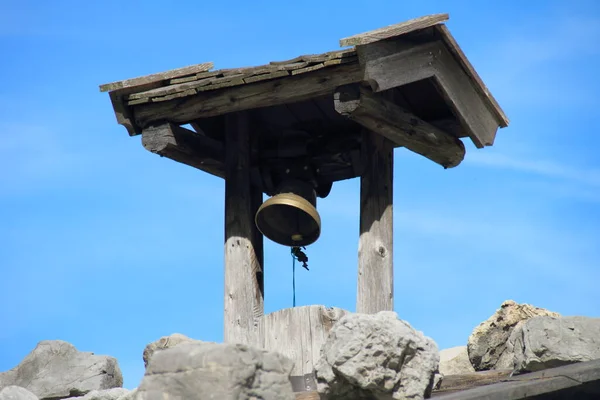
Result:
[[300, 256]]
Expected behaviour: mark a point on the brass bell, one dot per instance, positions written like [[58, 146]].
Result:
[[290, 217]]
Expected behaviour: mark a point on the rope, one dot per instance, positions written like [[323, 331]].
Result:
[[293, 278]]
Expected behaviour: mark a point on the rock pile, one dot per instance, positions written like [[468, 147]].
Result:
[[364, 357]]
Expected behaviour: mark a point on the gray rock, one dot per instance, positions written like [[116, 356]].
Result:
[[199, 370], [163, 343], [57, 370], [16, 393], [547, 342], [455, 361], [487, 344], [129, 396], [376, 357], [108, 394]]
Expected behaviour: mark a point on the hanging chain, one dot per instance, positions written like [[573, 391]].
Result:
[[297, 254]]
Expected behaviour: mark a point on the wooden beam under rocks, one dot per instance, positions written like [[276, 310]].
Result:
[[185, 146], [400, 126]]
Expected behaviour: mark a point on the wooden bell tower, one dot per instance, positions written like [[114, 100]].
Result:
[[320, 118]]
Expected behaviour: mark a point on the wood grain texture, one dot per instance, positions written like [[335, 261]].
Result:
[[384, 72], [122, 112], [455, 49], [251, 96], [385, 118], [574, 381], [244, 303], [375, 289], [314, 395], [464, 99], [453, 383], [394, 30], [185, 146], [161, 76], [433, 60], [299, 333]]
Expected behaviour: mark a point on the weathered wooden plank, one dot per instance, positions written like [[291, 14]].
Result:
[[314, 395], [219, 83], [122, 112], [401, 68], [264, 77], [161, 76], [344, 60], [168, 97], [464, 99], [183, 79], [375, 289], [533, 384], [168, 90], [394, 30], [433, 60], [299, 333], [185, 146], [251, 96], [308, 69], [453, 383], [455, 49], [244, 303], [403, 128]]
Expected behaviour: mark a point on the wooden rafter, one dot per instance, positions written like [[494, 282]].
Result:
[[400, 126], [185, 146], [432, 60]]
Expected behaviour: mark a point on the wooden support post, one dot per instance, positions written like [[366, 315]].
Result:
[[375, 247], [243, 245]]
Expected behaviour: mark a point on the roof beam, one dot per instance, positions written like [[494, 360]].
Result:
[[249, 96], [433, 60], [400, 126], [161, 76], [186, 147], [394, 30]]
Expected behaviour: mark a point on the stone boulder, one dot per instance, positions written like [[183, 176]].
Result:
[[56, 370], [108, 394], [163, 343], [487, 344], [200, 370], [376, 357], [16, 393], [547, 342], [455, 361]]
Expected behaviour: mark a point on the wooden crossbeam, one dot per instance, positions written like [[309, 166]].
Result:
[[245, 97], [185, 146], [400, 126]]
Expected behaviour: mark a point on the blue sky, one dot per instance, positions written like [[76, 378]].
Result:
[[109, 247]]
